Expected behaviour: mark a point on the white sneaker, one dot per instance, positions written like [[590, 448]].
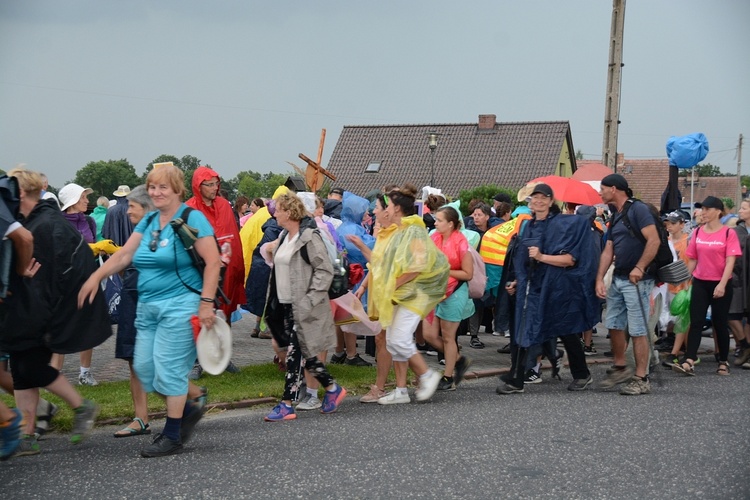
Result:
[[87, 379], [427, 387], [309, 402], [394, 398]]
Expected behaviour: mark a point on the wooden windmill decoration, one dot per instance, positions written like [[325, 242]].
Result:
[[315, 174]]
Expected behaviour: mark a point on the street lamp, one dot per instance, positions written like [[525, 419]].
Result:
[[432, 141]]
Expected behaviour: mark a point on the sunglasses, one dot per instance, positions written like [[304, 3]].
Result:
[[209, 184], [154, 240]]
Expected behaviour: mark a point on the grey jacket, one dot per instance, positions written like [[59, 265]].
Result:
[[311, 307]]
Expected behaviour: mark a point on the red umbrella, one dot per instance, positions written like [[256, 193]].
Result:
[[592, 172], [568, 190]]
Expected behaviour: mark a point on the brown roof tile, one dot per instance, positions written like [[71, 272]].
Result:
[[509, 155]]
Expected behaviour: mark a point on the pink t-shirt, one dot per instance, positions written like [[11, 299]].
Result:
[[710, 250]]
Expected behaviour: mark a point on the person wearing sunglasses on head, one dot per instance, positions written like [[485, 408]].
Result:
[[165, 349]]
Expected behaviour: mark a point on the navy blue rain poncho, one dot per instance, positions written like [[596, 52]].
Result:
[[560, 301]]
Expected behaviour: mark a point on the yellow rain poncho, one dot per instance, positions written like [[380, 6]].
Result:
[[400, 250], [252, 232]]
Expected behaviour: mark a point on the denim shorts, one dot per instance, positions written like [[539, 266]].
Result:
[[164, 345], [624, 308]]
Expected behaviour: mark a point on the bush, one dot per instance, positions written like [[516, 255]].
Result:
[[486, 193]]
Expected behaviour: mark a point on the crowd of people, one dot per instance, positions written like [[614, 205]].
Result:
[[550, 269]]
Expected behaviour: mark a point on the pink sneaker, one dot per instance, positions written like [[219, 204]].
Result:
[[373, 395]]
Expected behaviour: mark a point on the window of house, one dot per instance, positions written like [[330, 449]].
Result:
[[373, 167]]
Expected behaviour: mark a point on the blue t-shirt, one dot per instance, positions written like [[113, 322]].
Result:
[[157, 271], [628, 249]]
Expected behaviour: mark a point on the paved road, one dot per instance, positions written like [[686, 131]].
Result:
[[686, 440]]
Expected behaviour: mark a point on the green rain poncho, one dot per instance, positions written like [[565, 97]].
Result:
[[399, 250]]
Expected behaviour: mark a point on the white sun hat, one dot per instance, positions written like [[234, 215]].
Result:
[[214, 347]]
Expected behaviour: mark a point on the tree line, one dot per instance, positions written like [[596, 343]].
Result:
[[104, 176]]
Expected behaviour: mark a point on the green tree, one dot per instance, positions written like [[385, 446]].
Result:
[[105, 176], [579, 155], [485, 193], [704, 170], [728, 202]]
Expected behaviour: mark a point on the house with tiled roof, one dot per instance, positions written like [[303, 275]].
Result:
[[648, 179], [466, 155]]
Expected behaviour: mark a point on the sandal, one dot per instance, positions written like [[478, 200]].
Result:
[[686, 368], [129, 431], [723, 368]]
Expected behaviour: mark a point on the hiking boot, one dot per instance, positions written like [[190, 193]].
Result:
[[532, 377], [196, 372], [86, 378], [254, 334], [280, 412], [161, 447], [83, 420], [309, 402], [10, 435], [27, 446], [636, 387], [265, 335], [589, 350], [395, 398], [356, 361], [338, 359], [427, 386], [462, 365], [191, 415], [579, 384], [332, 399], [616, 375], [476, 343], [232, 368], [508, 389], [742, 358], [446, 384], [373, 396]]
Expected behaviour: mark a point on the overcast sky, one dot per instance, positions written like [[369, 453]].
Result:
[[248, 85]]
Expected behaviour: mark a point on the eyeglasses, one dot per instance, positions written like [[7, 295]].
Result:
[[209, 184], [154, 240]]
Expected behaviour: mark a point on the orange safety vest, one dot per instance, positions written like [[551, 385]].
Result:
[[496, 240]]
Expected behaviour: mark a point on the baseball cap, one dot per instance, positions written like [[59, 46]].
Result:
[[674, 217], [711, 202], [502, 198], [615, 180], [337, 190], [542, 189]]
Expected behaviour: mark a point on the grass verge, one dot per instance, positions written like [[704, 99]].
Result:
[[256, 381]]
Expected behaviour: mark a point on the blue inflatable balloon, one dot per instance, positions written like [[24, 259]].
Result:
[[687, 151]]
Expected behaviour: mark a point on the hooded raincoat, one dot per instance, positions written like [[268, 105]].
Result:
[[221, 217]]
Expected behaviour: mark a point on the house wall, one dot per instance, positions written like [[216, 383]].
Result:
[[564, 163]]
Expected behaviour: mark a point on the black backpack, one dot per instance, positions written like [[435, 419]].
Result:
[[664, 254]]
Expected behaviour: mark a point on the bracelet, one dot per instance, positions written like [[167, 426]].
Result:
[[207, 299], [641, 270]]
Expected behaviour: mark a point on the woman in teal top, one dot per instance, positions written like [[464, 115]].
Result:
[[165, 350]]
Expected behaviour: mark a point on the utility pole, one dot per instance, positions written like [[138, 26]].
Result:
[[739, 173], [614, 81]]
